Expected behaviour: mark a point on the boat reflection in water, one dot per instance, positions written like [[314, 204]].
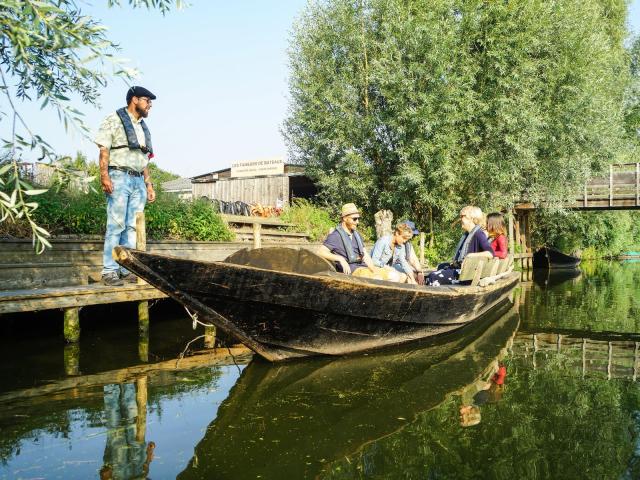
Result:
[[547, 278], [296, 419]]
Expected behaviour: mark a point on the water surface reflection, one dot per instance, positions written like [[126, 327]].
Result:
[[568, 406]]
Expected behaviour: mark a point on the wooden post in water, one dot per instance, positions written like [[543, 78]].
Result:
[[143, 331], [143, 347], [422, 239], [517, 236], [210, 336], [141, 404], [512, 241], [143, 307], [527, 240], [257, 240], [72, 359], [72, 324]]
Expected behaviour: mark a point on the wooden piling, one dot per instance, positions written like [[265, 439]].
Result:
[[141, 232], [143, 307], [143, 348], [72, 324], [422, 240], [257, 240], [512, 241], [72, 359], [209, 336], [143, 317], [141, 236], [143, 331]]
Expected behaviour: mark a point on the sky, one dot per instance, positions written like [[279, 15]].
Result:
[[220, 72]]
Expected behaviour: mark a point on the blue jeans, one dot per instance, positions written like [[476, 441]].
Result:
[[128, 197]]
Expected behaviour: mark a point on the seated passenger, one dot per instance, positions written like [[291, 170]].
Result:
[[412, 258], [472, 243], [389, 253], [344, 247], [497, 231]]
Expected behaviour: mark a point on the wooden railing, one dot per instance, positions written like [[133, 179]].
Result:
[[619, 190]]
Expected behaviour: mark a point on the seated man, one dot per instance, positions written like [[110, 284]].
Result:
[[344, 247]]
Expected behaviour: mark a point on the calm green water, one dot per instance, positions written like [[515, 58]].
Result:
[[569, 406]]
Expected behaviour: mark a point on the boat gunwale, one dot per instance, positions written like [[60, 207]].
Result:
[[328, 277]]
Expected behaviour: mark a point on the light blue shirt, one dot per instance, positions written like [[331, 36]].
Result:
[[382, 254]]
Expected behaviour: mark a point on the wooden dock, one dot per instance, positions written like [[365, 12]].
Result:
[[67, 277]]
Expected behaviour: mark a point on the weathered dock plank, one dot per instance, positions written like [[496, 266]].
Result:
[[73, 296]]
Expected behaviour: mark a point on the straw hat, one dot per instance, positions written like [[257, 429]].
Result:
[[349, 209]]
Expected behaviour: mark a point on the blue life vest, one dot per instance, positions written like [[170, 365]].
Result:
[[132, 138]]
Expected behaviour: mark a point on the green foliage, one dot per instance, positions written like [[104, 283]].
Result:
[[76, 213], [421, 107], [170, 217], [316, 221]]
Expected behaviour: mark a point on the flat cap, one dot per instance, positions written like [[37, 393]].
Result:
[[136, 91]]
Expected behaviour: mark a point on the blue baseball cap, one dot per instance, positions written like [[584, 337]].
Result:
[[412, 226]]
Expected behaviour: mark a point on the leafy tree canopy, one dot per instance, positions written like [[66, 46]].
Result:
[[424, 106]]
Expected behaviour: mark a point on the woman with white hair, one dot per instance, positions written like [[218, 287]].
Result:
[[473, 242]]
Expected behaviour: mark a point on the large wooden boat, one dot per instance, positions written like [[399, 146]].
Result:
[[547, 257], [296, 420], [284, 303]]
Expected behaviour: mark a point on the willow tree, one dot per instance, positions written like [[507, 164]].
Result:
[[423, 105]]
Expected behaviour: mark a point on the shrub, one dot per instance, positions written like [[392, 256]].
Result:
[[315, 220], [75, 213]]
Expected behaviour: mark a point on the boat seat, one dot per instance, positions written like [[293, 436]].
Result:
[[475, 269], [506, 264], [472, 269], [282, 259]]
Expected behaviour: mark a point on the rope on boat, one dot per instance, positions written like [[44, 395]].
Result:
[[194, 317]]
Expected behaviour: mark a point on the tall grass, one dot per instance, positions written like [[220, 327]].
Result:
[[316, 221], [319, 221]]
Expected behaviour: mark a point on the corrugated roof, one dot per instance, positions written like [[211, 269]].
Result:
[[179, 184]]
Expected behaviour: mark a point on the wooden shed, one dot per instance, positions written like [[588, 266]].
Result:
[[260, 181]]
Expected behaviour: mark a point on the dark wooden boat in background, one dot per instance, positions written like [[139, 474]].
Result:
[[547, 257], [285, 303]]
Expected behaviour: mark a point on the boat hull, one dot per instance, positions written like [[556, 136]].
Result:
[[283, 315], [550, 258]]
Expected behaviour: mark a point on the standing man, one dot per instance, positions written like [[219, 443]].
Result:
[[125, 150]]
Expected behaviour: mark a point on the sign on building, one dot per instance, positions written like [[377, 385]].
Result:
[[255, 168]]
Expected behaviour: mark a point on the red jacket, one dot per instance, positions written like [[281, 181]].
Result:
[[499, 245]]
